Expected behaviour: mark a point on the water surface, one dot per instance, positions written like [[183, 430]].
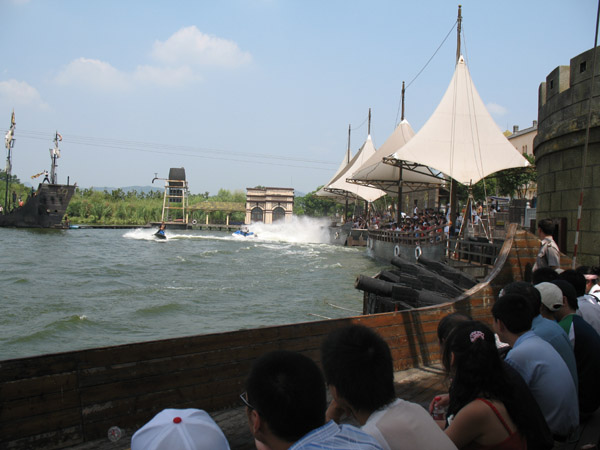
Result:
[[65, 290]]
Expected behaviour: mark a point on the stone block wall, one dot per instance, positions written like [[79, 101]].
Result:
[[563, 105]]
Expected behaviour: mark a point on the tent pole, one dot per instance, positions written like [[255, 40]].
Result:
[[399, 216], [453, 198]]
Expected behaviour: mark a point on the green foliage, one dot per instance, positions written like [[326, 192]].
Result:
[[509, 182], [15, 186], [315, 206], [513, 182], [480, 189]]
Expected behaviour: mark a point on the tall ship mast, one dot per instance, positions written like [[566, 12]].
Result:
[[44, 207]]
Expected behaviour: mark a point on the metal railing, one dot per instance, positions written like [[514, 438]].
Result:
[[474, 251], [420, 237]]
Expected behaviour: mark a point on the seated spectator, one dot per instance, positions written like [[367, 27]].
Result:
[[589, 310], [538, 436], [591, 279], [285, 402], [586, 345], [182, 429], [448, 323], [487, 414], [546, 327], [541, 367], [359, 371]]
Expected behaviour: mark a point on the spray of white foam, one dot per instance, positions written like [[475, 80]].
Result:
[[304, 230], [143, 234]]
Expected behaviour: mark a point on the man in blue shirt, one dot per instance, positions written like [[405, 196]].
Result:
[[586, 343], [539, 364], [541, 297], [285, 402]]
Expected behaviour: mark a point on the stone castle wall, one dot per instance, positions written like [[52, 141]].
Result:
[[558, 148]]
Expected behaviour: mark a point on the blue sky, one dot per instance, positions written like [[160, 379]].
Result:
[[256, 92]]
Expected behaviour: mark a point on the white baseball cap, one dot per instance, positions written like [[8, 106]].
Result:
[[552, 296], [180, 429]]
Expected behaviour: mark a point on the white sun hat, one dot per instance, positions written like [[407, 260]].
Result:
[[180, 429]]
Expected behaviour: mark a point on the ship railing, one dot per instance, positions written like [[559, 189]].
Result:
[[431, 236], [474, 251]]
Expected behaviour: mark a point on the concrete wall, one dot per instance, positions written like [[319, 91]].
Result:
[[563, 106]]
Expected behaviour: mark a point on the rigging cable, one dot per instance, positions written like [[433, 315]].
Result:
[[421, 71], [477, 154], [172, 150]]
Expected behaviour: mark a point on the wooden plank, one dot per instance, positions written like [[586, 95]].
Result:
[[37, 366], [65, 438], [46, 403], [39, 424], [31, 387]]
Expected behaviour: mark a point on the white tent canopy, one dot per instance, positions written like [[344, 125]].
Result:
[[323, 193], [461, 139], [374, 172], [339, 186]]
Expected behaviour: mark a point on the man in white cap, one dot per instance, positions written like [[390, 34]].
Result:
[[586, 345], [181, 429], [545, 298]]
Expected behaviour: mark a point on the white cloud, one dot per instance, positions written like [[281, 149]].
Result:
[[178, 59], [495, 109], [19, 93], [93, 72], [165, 76], [189, 46]]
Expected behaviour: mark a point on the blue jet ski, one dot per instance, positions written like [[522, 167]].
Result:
[[243, 233]]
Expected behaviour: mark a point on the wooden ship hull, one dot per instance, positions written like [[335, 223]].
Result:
[[347, 236], [62, 400], [46, 208], [386, 244]]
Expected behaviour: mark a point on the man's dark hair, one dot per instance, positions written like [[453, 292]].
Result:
[[568, 291], [358, 362], [448, 323], [587, 270], [287, 390], [546, 226], [576, 279], [543, 275], [514, 311], [528, 291]]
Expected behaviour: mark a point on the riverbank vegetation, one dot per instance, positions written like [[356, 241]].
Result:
[[117, 207]]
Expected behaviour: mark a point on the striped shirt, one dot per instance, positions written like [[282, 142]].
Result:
[[332, 436]]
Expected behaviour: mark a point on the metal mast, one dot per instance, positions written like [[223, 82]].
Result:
[[9, 143], [54, 155]]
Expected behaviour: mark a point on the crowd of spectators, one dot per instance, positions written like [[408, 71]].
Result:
[[530, 381], [420, 223]]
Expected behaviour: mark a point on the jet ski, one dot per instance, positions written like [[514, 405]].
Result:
[[244, 232]]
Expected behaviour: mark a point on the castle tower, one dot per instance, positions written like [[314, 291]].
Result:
[[558, 148]]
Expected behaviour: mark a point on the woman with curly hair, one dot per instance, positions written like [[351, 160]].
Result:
[[483, 412]]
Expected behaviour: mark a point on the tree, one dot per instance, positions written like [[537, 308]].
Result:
[[316, 206], [517, 181]]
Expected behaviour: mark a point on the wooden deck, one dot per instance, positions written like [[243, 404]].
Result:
[[418, 385]]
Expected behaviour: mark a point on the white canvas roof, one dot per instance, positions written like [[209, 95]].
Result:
[[375, 172], [461, 139], [339, 185], [322, 192]]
